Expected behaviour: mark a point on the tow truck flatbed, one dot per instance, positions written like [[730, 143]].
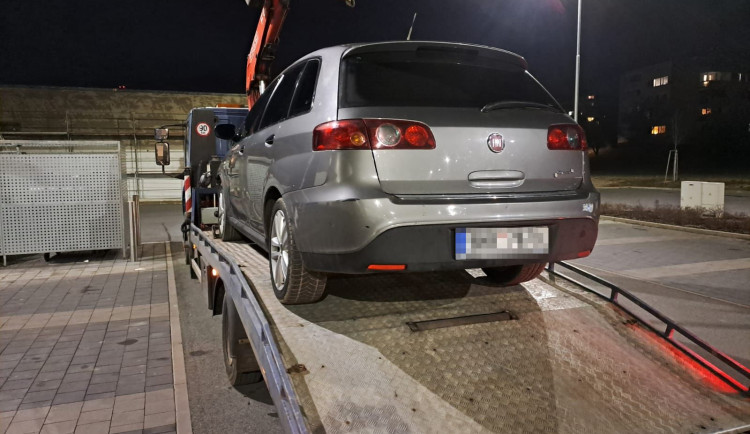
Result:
[[451, 352]]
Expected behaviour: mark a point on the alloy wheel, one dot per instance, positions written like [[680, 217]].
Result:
[[279, 249]]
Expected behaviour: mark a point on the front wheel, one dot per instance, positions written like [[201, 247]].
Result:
[[292, 282], [514, 274]]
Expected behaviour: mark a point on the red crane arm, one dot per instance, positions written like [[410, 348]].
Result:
[[263, 51], [266, 40]]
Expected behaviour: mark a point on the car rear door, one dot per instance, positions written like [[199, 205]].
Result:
[[446, 89], [262, 144]]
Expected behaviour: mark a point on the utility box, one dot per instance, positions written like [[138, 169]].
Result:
[[706, 195]]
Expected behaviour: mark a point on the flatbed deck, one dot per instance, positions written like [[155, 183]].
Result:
[[568, 363]]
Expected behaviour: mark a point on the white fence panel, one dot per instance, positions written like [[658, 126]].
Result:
[[60, 196]]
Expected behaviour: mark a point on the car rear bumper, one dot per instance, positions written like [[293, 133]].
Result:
[[429, 248], [349, 234]]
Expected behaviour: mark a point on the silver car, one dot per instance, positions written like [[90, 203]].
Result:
[[407, 156]]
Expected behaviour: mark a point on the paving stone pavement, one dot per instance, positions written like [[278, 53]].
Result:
[[85, 344]]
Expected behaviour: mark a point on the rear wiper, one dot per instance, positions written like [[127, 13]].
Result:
[[497, 105]]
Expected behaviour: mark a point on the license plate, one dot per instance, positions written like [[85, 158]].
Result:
[[500, 243]]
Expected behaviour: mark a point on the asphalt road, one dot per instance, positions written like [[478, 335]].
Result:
[[215, 406], [160, 222], [700, 281]]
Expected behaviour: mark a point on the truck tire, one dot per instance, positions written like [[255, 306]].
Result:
[[292, 282], [227, 232], [239, 360], [514, 274]]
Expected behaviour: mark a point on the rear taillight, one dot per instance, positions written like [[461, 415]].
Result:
[[566, 137], [393, 134], [349, 134], [372, 134]]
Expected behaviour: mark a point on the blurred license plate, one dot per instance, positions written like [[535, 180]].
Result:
[[499, 243]]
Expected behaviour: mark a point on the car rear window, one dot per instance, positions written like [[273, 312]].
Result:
[[435, 79]]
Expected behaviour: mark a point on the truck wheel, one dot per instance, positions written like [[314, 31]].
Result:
[[239, 360], [227, 232], [514, 274], [292, 282]]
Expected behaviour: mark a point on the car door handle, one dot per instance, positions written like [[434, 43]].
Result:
[[269, 140]]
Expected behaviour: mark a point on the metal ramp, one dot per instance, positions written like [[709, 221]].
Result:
[[567, 364]]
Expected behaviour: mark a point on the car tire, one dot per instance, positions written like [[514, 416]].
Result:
[[292, 283], [227, 232], [514, 274], [239, 360]]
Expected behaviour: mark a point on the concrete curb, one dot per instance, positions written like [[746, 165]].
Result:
[[678, 228], [181, 405]]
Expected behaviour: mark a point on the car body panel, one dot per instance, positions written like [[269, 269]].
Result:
[[352, 202], [461, 149]]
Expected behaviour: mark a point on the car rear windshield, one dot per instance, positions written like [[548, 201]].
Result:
[[434, 78]]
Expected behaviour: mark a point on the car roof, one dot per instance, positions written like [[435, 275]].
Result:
[[346, 49]]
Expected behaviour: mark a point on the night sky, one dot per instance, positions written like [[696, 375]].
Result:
[[201, 45]]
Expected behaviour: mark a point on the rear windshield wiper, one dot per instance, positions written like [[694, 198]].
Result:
[[497, 105]]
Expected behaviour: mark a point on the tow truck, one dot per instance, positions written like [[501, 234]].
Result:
[[451, 352], [203, 154]]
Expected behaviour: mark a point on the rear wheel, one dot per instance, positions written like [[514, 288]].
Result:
[[239, 360], [227, 232], [292, 282], [514, 274]]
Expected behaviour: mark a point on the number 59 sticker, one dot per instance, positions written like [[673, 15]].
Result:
[[202, 129]]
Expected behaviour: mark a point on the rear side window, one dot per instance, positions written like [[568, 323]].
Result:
[[278, 107], [303, 97], [435, 79]]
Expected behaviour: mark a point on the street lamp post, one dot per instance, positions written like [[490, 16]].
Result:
[[578, 63]]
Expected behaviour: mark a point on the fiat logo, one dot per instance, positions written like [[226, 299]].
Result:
[[495, 142]]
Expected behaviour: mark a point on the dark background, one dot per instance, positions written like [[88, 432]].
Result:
[[201, 45]]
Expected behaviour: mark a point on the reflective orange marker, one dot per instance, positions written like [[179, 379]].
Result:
[[381, 267]]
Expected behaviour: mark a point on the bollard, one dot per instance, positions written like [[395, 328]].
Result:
[[135, 227]]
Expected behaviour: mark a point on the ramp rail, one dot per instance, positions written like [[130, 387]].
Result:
[[258, 331], [738, 382]]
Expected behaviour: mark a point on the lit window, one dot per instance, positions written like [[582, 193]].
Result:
[[661, 81], [705, 111], [592, 97], [658, 129], [708, 77], [590, 119]]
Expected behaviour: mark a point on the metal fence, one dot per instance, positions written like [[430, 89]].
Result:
[[134, 130], [61, 196]]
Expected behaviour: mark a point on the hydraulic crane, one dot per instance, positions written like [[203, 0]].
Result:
[[266, 40]]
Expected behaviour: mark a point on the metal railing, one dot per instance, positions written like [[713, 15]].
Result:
[[668, 333]]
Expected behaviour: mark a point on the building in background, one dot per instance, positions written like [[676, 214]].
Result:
[[697, 101]]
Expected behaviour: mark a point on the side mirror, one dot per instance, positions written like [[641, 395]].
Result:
[[161, 134], [162, 153], [225, 131]]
